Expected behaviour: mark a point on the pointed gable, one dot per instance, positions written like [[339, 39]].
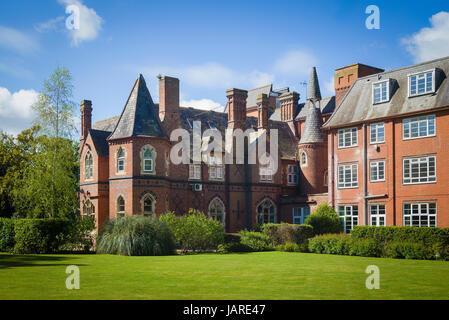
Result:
[[139, 117]]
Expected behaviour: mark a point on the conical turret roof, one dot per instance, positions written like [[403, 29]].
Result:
[[138, 118], [312, 129], [313, 90]]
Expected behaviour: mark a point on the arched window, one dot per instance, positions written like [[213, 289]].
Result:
[[88, 209], [88, 166], [217, 210], [303, 159], [120, 160], [266, 212], [120, 206], [148, 205], [148, 159]]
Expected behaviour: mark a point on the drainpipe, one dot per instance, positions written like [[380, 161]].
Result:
[[364, 167], [331, 176]]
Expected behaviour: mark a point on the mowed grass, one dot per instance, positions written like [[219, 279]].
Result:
[[269, 275]]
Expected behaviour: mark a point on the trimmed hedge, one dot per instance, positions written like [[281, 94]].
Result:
[[427, 236], [6, 235], [281, 234], [40, 235], [342, 244], [255, 241]]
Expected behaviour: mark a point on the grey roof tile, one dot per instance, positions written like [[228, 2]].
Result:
[[357, 105], [312, 129], [138, 117], [99, 139], [313, 89]]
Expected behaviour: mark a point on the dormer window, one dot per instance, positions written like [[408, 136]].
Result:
[[421, 83], [381, 91]]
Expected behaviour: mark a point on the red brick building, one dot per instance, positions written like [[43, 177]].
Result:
[[126, 167]]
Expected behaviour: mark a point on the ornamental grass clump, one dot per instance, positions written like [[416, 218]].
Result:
[[136, 236]]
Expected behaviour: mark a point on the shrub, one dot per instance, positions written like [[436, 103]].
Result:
[[428, 236], [232, 247], [280, 234], [81, 235], [136, 236], [231, 238], [256, 241], [6, 234], [195, 231], [409, 250], [324, 220], [289, 247], [331, 244], [40, 235], [365, 248]]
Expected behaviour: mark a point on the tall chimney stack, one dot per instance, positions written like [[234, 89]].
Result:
[[236, 107], [86, 118]]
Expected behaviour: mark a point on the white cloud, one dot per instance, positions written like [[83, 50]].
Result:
[[55, 24], [203, 104], [295, 62], [89, 23], [430, 43], [329, 86], [17, 41], [16, 113]]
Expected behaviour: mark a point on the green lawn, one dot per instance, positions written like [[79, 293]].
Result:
[[271, 275]]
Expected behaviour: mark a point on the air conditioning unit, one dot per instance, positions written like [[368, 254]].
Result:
[[197, 187]]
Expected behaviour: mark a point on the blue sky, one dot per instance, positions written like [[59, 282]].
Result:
[[210, 45]]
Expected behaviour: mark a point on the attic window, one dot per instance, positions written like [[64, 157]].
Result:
[[421, 83], [381, 91], [212, 125]]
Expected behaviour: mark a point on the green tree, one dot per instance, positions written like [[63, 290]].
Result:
[[55, 116], [15, 155], [54, 107], [45, 188]]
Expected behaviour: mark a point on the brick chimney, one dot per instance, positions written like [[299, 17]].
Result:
[[236, 107], [169, 102], [346, 76], [86, 118], [263, 105], [289, 105]]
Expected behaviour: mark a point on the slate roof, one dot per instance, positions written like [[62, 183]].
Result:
[[99, 139], [138, 117], [357, 105], [107, 124], [313, 89], [312, 128], [219, 120], [327, 105]]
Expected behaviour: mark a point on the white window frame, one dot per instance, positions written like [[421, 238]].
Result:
[[375, 165], [292, 174], [418, 74], [418, 122], [377, 212], [351, 214], [379, 86], [300, 214], [407, 178], [375, 128], [343, 134], [194, 172], [121, 161], [354, 180], [420, 210]]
